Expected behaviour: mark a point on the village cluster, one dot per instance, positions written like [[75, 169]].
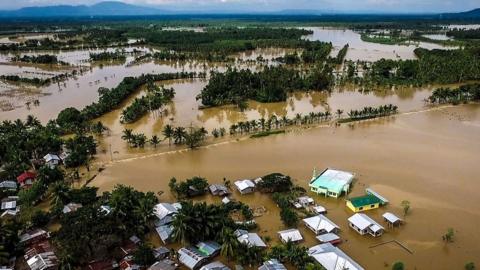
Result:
[[40, 255]]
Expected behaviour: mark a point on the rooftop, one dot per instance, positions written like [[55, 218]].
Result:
[[363, 221], [291, 235], [332, 258], [251, 239], [333, 180], [364, 200], [272, 264], [215, 266], [320, 222], [391, 217]]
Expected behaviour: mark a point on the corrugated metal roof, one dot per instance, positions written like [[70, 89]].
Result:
[[333, 180], [321, 222], [215, 266], [162, 210], [244, 184], [164, 232], [272, 264], [328, 237], [363, 221], [333, 258], [251, 239], [208, 248], [391, 217], [191, 257], [291, 235]]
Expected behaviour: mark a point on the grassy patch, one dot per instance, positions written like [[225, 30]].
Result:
[[267, 133]]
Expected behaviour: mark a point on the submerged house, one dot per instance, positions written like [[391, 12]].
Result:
[[363, 203], [191, 257], [272, 264], [245, 186], [163, 210], [392, 220], [331, 183], [215, 266], [332, 258], [363, 224], [329, 238], [165, 233], [218, 190], [251, 239], [291, 235], [209, 248], [320, 224]]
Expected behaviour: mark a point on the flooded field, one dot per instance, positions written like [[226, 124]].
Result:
[[429, 158]]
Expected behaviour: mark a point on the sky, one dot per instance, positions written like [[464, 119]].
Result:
[[388, 6]]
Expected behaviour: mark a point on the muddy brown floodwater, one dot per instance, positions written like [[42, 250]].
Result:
[[429, 158]]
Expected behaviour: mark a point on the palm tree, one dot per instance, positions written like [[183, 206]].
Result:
[[179, 135], [155, 141], [168, 133], [127, 135], [229, 243], [339, 113], [59, 194]]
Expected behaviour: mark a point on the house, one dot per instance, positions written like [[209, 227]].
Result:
[[218, 190], [272, 264], [329, 238], [105, 209], [10, 213], [215, 266], [245, 186], [305, 201], [8, 185], [165, 233], [33, 236], [332, 258], [161, 253], [9, 203], [102, 265], [71, 207], [320, 224], [26, 179], [43, 261], [209, 248], [318, 209], [363, 203], [226, 200], [291, 235], [191, 257], [128, 264], [331, 183], [392, 220], [251, 239], [163, 265], [52, 160], [130, 245], [364, 224], [164, 210]]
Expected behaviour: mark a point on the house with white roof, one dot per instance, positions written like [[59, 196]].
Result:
[[163, 210], [245, 186], [9, 185], [251, 239], [9, 203], [320, 224], [191, 257], [331, 182], [52, 160], [392, 220], [272, 264], [215, 266], [363, 224], [291, 235], [43, 261], [332, 258]]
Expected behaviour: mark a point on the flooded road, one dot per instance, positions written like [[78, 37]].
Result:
[[429, 158]]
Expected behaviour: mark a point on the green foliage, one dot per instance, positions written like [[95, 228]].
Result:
[[156, 98], [143, 256], [8, 240], [70, 119], [40, 218], [406, 207], [194, 137], [30, 196], [398, 266], [80, 149], [275, 182], [448, 237], [470, 266], [249, 256], [291, 253], [289, 217], [39, 59], [108, 56], [464, 93], [49, 175], [190, 187]]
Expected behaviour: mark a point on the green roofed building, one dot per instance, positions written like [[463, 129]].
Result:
[[331, 183], [363, 203]]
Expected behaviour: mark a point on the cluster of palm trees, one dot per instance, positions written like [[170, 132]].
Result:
[[192, 137], [275, 122], [464, 93], [371, 112]]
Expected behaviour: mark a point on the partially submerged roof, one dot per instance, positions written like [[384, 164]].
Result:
[[215, 266], [191, 257], [244, 184], [328, 237], [272, 264], [333, 258], [208, 248], [162, 210], [251, 239], [364, 200], [321, 222], [363, 221], [333, 180], [380, 197], [164, 232], [291, 235], [391, 217]]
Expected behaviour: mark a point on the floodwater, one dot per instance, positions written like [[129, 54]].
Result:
[[365, 51], [428, 158]]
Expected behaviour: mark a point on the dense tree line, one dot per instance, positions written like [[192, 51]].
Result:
[[39, 59], [191, 187], [464, 93], [269, 85], [111, 98], [108, 56], [33, 81], [156, 98], [464, 33]]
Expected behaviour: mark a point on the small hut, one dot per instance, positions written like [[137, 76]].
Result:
[[392, 220]]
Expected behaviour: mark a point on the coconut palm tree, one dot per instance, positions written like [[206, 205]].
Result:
[[155, 141], [127, 135], [229, 242], [179, 135], [168, 133], [59, 194]]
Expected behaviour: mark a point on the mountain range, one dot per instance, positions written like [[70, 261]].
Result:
[[115, 8]]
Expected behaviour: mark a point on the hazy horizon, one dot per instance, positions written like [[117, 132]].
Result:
[[380, 6]]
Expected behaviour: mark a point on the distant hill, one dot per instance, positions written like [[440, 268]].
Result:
[[107, 8], [472, 14]]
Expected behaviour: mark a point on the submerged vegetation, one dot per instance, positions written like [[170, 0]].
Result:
[[462, 94]]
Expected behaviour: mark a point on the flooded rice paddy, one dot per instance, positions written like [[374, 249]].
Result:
[[424, 155]]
